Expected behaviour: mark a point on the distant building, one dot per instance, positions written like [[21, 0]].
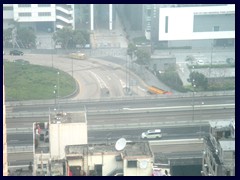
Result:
[[49, 17], [219, 150], [40, 17], [50, 139], [197, 26], [162, 63]]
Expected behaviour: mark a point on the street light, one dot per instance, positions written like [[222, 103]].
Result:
[[52, 51], [58, 89], [200, 133], [210, 68], [55, 94], [193, 100]]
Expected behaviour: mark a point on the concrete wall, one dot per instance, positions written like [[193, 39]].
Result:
[[138, 171], [63, 134], [107, 161]]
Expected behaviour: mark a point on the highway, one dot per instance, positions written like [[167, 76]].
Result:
[[114, 116], [104, 136], [154, 112]]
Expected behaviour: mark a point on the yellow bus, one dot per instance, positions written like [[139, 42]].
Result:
[[155, 90]]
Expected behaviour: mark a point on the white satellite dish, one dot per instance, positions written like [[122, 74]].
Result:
[[120, 144], [143, 164]]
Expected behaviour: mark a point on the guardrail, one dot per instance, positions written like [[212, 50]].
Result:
[[148, 125], [126, 110], [107, 99]]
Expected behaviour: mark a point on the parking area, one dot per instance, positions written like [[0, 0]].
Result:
[[202, 57]]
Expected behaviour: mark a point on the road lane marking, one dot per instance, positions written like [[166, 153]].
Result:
[[179, 107]]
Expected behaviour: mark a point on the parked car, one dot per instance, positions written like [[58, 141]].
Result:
[[16, 52], [21, 61], [200, 62]]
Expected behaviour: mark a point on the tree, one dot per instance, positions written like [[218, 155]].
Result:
[[70, 38], [7, 37], [131, 49], [143, 56], [26, 37], [199, 80], [63, 36]]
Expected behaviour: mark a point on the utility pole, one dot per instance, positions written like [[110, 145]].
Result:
[[58, 90]]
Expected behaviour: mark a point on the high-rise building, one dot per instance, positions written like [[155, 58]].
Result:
[[40, 17]]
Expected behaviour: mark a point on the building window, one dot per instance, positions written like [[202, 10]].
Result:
[[44, 14], [166, 24], [149, 12], [24, 5], [25, 14], [8, 8], [216, 28], [44, 5], [132, 164]]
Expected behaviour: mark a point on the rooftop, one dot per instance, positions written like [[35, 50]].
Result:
[[227, 145], [219, 124], [62, 117], [131, 149]]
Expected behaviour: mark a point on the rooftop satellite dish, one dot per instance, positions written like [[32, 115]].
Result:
[[143, 164], [120, 144]]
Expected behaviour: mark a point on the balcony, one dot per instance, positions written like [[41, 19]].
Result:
[[65, 9], [65, 20]]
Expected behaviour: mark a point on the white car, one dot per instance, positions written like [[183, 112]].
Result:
[[152, 134], [200, 62]]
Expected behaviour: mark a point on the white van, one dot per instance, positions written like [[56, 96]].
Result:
[[152, 134]]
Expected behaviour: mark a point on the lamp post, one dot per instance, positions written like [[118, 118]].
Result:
[[55, 95], [52, 51], [58, 89], [193, 99], [200, 133], [210, 68]]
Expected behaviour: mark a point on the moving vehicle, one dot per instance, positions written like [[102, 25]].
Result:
[[78, 55], [155, 90], [152, 134], [16, 52]]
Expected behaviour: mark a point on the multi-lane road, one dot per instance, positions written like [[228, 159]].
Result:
[[112, 117], [24, 156], [126, 111]]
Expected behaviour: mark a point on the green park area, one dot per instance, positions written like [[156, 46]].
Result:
[[24, 81]]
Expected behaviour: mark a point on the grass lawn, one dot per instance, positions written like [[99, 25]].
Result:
[[34, 82]]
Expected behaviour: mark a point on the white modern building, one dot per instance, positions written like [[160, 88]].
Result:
[[200, 26], [40, 17]]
